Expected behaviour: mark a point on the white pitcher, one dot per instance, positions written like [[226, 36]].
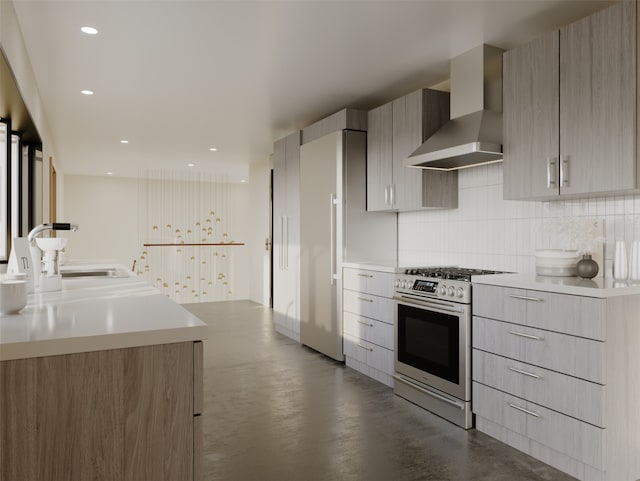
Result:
[[620, 263]]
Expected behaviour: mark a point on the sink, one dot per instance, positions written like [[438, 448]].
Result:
[[75, 272]]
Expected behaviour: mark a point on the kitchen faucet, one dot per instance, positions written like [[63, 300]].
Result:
[[44, 227], [45, 269]]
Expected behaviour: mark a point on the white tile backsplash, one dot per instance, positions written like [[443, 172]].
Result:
[[488, 232]]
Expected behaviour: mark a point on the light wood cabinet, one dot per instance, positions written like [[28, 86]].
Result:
[[286, 235], [368, 319], [569, 110], [396, 129], [555, 376], [125, 414]]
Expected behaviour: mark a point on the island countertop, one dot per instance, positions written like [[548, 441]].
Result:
[[93, 315]]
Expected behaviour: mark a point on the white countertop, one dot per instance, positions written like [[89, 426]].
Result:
[[597, 287], [379, 266], [93, 314]]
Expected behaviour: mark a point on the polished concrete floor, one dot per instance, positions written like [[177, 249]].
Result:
[[278, 411]]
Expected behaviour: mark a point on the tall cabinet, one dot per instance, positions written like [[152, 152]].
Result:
[[395, 130], [286, 235], [569, 109]]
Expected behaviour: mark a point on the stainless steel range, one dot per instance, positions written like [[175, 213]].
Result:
[[433, 340]]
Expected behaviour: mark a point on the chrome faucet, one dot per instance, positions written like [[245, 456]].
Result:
[[54, 226]]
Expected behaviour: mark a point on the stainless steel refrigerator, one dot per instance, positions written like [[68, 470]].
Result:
[[335, 228]]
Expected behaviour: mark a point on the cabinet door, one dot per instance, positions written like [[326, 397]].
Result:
[[407, 137], [598, 101], [379, 157], [531, 109]]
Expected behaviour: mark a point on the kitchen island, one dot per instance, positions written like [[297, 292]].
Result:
[[102, 380]]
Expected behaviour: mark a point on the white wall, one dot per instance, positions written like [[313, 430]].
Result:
[[489, 232], [117, 215], [259, 230]]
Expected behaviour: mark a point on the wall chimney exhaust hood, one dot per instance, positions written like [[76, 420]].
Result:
[[473, 136]]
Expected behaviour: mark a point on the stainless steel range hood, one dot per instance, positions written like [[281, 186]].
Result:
[[474, 134]]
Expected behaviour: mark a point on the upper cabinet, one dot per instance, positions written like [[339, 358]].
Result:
[[569, 109], [395, 130]]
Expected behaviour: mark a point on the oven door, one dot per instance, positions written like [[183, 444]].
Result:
[[432, 340]]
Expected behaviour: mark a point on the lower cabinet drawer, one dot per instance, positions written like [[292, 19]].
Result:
[[372, 355], [579, 440], [574, 397], [576, 356], [370, 330], [368, 305]]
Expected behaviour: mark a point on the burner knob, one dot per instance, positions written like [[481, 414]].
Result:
[[451, 291], [396, 284], [407, 284], [459, 292], [442, 290]]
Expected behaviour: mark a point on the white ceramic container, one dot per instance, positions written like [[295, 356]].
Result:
[[13, 296]]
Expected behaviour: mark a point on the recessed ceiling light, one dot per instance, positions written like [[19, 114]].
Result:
[[90, 30], [109, 173], [191, 165], [123, 141], [87, 92], [212, 149], [243, 181]]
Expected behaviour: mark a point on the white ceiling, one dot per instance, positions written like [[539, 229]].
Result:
[[178, 77]]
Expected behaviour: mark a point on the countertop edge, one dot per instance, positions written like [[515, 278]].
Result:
[[598, 287]]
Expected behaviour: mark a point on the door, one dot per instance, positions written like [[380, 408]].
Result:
[[531, 110], [320, 198], [598, 101]]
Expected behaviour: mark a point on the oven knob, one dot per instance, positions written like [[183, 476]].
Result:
[[396, 284], [451, 291], [459, 292], [407, 284], [442, 290]]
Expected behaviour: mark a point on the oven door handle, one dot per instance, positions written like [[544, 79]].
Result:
[[430, 304]]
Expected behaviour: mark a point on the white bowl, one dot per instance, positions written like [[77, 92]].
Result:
[[13, 297], [51, 243]]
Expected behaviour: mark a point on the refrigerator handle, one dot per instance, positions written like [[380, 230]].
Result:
[[286, 244], [281, 256], [332, 238]]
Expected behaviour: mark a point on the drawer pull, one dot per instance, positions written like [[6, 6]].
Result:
[[526, 298], [365, 323], [365, 347], [366, 275], [525, 373], [528, 336], [530, 413], [365, 299]]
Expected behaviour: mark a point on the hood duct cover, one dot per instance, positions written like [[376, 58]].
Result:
[[474, 134]]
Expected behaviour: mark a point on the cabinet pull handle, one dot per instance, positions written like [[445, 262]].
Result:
[[525, 373], [365, 299], [365, 323], [366, 275], [528, 336], [393, 194], [286, 244], [281, 260], [365, 347], [526, 298], [519, 408], [564, 171], [386, 195], [551, 172], [332, 239]]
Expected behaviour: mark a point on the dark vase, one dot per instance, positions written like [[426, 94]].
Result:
[[587, 267]]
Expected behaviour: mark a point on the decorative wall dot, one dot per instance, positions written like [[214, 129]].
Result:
[[204, 262], [217, 219], [178, 250], [168, 226], [212, 213], [155, 227], [209, 283], [193, 258], [204, 293], [204, 239], [188, 277], [185, 286], [197, 224], [177, 283], [177, 231], [165, 285], [208, 220], [202, 279]]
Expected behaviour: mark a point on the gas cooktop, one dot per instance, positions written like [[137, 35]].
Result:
[[448, 272]]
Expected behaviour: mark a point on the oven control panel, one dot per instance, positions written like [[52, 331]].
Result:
[[452, 290]]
